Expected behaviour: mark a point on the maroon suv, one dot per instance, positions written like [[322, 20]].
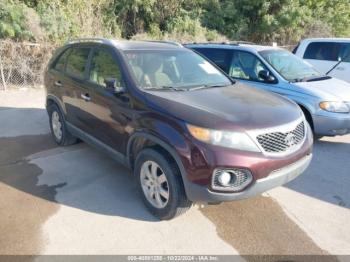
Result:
[[188, 132]]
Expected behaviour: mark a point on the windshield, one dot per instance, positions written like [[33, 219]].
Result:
[[291, 67], [173, 69]]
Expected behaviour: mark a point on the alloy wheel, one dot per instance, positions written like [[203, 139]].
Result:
[[154, 184], [56, 125]]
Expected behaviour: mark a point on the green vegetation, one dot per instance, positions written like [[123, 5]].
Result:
[[263, 21]]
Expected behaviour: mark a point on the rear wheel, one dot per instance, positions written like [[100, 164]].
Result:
[[160, 184], [58, 127]]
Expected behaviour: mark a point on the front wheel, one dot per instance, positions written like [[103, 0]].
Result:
[[161, 185]]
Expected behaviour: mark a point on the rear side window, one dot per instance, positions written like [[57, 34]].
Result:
[[77, 61], [61, 61], [221, 57], [323, 51]]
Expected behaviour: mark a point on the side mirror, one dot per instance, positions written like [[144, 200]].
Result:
[[266, 76], [111, 86]]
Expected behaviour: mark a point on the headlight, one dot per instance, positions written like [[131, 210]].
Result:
[[236, 140], [336, 107]]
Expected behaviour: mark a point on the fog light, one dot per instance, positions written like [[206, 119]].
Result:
[[234, 179], [224, 178]]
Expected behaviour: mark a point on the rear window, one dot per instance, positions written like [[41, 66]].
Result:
[[61, 61], [323, 51], [77, 61]]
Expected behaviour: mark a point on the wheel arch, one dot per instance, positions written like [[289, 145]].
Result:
[[307, 114], [141, 140], [51, 99]]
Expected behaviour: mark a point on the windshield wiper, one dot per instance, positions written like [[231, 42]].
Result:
[[317, 78], [160, 88], [296, 80], [311, 79], [207, 86]]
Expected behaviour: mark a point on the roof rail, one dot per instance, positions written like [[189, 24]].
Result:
[[223, 43], [89, 40], [207, 43], [244, 42], [165, 42]]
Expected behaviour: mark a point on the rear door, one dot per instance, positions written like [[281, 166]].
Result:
[[76, 72], [105, 115], [69, 73]]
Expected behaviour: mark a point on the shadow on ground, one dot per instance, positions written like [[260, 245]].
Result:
[[77, 176], [259, 226]]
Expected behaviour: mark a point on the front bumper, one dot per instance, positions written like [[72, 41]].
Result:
[[332, 126], [197, 193]]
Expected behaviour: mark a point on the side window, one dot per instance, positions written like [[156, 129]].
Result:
[[76, 63], [61, 61], [221, 57], [323, 51], [247, 66], [104, 67], [345, 52]]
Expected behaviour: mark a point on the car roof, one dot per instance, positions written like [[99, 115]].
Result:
[[128, 45], [249, 47], [330, 39]]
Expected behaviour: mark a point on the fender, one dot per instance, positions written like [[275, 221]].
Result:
[[308, 107], [167, 147], [58, 103]]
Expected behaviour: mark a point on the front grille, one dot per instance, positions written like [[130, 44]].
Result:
[[279, 142]]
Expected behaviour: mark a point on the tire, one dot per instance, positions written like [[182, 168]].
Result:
[[311, 123], [65, 138], [177, 202]]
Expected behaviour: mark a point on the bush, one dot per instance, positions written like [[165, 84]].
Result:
[[261, 21], [78, 18], [13, 21]]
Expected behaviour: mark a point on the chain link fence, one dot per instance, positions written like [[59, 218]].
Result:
[[22, 64]]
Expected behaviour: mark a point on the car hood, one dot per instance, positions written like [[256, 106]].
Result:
[[236, 107], [329, 89]]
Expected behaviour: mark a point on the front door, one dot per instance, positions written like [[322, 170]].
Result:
[[246, 66]]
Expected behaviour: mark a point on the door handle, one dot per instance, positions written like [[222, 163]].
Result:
[[58, 83], [86, 97]]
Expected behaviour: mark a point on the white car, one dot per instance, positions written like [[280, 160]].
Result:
[[330, 56]]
